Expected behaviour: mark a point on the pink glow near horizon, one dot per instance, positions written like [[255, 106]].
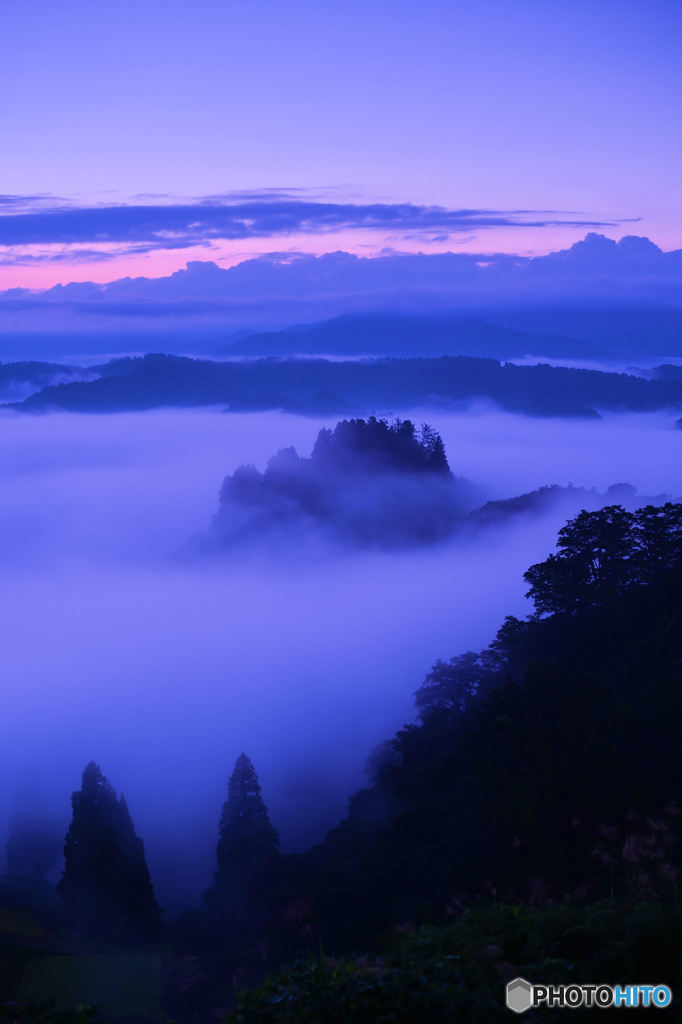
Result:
[[47, 273]]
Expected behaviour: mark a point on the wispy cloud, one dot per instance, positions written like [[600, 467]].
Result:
[[12, 204], [18, 256], [163, 223]]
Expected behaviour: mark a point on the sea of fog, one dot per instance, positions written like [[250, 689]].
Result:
[[119, 645]]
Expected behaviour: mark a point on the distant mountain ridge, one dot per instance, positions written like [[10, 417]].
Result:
[[393, 334]]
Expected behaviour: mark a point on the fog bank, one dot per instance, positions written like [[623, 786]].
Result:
[[119, 647]]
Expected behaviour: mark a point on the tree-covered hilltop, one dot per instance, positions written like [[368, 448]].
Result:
[[369, 482]]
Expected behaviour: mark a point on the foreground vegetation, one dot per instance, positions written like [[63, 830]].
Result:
[[458, 972]]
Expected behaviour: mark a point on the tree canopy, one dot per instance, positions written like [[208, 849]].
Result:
[[385, 446], [604, 552]]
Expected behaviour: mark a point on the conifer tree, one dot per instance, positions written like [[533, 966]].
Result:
[[248, 847], [106, 885]]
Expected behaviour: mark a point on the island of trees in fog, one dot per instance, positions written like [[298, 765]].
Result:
[[367, 482], [373, 483]]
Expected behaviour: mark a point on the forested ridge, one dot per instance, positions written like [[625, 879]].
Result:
[[324, 387]]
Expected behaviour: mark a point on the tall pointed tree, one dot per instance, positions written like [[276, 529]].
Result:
[[106, 885], [248, 847]]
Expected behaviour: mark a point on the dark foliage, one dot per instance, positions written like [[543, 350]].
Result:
[[106, 887], [236, 934], [248, 844], [604, 553], [375, 445], [451, 688], [46, 1012], [458, 972]]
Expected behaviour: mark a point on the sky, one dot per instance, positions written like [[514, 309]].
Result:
[[431, 126]]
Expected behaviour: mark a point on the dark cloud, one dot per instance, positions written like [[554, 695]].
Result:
[[256, 215]]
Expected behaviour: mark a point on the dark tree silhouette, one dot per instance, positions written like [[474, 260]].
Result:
[[106, 885], [452, 687], [433, 446], [381, 446], [248, 847], [603, 553], [658, 532], [591, 565]]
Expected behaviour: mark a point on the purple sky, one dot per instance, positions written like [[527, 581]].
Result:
[[538, 120]]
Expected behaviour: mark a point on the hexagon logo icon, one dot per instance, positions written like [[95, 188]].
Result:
[[519, 995]]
